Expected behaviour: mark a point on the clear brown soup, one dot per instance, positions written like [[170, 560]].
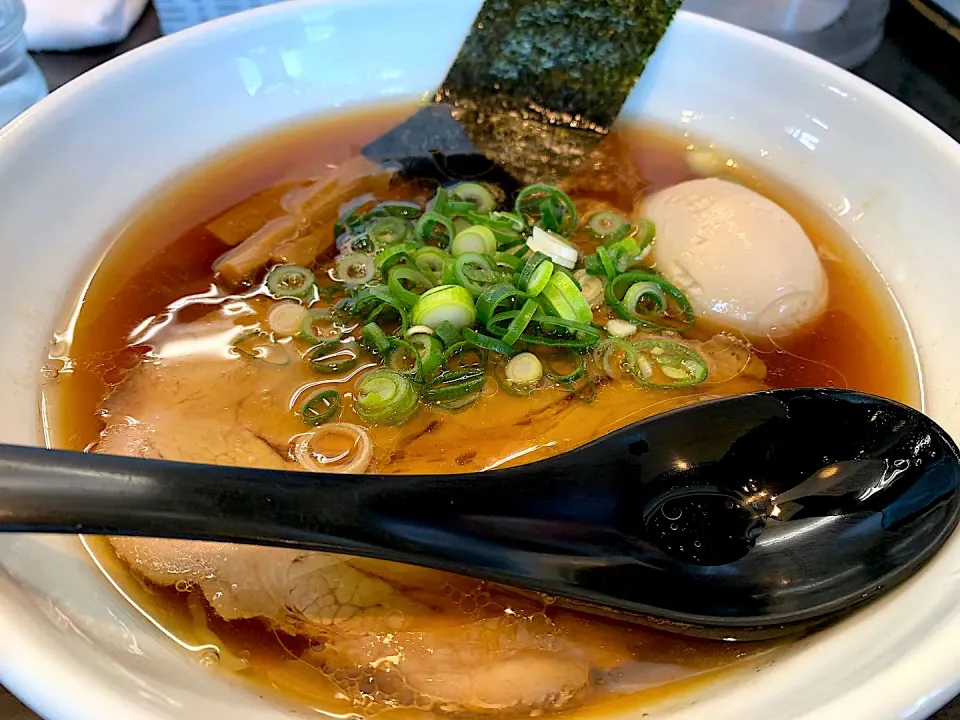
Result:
[[164, 257]]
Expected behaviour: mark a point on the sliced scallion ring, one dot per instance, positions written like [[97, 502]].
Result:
[[375, 338], [519, 323], [388, 230], [476, 272], [446, 303], [432, 227], [403, 358], [356, 268], [400, 274], [447, 333], [535, 273], [554, 247], [432, 261], [547, 205], [394, 254], [679, 364], [497, 298], [617, 357], [454, 385], [605, 223], [476, 194], [385, 397], [290, 281], [564, 367], [605, 260], [319, 326], [431, 353], [646, 299], [564, 299], [507, 260], [474, 239], [285, 318], [487, 343], [332, 358], [257, 345], [321, 407]]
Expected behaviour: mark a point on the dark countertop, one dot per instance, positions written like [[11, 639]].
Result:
[[916, 63]]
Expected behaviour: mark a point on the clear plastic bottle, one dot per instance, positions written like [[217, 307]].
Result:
[[845, 32], [21, 82]]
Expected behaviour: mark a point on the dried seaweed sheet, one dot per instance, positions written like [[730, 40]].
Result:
[[535, 87]]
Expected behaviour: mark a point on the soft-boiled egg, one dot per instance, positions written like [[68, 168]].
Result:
[[742, 260]]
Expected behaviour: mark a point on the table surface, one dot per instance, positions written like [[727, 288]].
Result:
[[916, 63]]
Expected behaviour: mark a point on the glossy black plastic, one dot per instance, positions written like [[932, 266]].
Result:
[[756, 514]]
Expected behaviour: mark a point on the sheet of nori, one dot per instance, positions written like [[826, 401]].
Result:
[[535, 86]]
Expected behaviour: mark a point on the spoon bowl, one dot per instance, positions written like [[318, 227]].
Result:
[[751, 516]]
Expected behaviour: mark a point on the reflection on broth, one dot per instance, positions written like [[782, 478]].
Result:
[[190, 344]]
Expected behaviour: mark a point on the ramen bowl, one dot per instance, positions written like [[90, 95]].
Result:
[[76, 167]]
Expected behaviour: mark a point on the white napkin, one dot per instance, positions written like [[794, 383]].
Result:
[[75, 24]]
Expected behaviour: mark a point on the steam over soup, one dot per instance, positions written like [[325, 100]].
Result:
[[291, 306]]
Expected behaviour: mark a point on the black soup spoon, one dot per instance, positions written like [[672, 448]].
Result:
[[747, 517]]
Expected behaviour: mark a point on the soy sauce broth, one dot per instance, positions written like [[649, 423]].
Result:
[[164, 256]]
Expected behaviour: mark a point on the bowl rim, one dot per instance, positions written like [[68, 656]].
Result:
[[920, 682]]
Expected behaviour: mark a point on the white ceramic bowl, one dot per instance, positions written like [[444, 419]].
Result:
[[79, 164]]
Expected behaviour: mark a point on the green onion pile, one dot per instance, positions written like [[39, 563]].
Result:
[[449, 293]]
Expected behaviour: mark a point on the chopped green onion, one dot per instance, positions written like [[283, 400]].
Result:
[[390, 256], [374, 337], [547, 205], [385, 397], [606, 262], [535, 274], [476, 194], [501, 296], [418, 330], [330, 358], [404, 358], [290, 281], [318, 326], [563, 298], [430, 350], [487, 343], [547, 330], [554, 247], [519, 323], [321, 407], [284, 318], [432, 261], [436, 228], [507, 260], [356, 268], [646, 232], [576, 366], [680, 364], [400, 208], [388, 230], [446, 303], [454, 385], [448, 333], [257, 345], [475, 272], [524, 369], [606, 223], [617, 356], [464, 355], [475, 239], [655, 294], [395, 281]]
